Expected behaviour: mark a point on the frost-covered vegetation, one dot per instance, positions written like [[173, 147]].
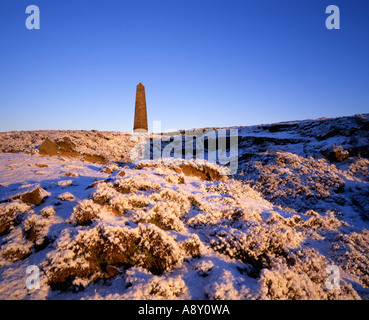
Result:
[[181, 230], [293, 181]]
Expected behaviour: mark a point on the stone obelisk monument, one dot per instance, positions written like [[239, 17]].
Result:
[[140, 124]]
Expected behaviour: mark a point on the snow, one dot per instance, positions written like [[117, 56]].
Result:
[[268, 232]]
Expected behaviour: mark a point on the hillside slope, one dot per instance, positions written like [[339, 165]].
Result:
[[297, 208]]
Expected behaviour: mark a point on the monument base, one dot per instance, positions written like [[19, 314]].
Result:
[[140, 131]]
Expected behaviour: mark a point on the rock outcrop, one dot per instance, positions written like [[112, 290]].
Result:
[[35, 196]]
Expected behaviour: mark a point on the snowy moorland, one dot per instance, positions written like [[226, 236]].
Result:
[[99, 227]]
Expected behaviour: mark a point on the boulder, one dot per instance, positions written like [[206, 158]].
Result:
[[121, 173], [94, 158], [107, 170], [66, 196], [202, 172], [49, 148], [112, 271], [339, 153], [35, 196], [64, 146]]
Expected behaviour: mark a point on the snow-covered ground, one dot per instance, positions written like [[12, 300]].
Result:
[[118, 231]]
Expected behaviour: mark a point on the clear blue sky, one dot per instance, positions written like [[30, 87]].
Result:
[[203, 62]]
